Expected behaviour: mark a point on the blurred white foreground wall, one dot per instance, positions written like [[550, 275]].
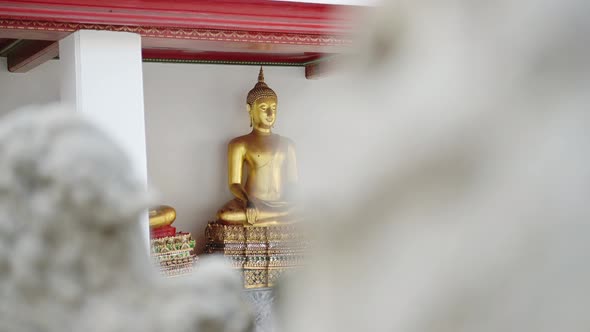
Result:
[[453, 174]]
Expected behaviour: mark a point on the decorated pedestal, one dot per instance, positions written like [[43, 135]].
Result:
[[173, 252], [174, 255], [262, 254]]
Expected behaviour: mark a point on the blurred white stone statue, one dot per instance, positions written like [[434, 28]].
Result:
[[460, 202], [71, 253]]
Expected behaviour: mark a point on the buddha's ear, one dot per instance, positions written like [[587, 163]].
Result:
[[249, 108]]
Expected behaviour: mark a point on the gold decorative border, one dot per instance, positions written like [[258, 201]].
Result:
[[184, 33]]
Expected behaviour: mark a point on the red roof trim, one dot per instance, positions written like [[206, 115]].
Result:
[[178, 33], [248, 15]]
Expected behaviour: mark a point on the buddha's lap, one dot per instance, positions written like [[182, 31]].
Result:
[[236, 206]]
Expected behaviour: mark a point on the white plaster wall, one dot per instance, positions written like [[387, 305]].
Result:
[[191, 113], [38, 86]]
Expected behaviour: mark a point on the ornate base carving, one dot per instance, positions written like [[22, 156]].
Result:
[[174, 255], [262, 253]]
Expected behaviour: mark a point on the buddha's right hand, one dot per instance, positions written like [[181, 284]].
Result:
[[251, 213]]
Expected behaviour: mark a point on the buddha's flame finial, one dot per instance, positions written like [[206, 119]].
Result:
[[261, 75]]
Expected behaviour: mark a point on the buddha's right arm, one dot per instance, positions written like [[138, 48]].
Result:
[[238, 191], [235, 159]]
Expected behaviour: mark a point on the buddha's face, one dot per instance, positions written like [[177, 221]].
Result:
[[264, 112]]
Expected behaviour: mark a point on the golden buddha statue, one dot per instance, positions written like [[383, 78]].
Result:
[[161, 216], [263, 200], [256, 230]]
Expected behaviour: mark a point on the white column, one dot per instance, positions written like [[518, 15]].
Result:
[[102, 77]]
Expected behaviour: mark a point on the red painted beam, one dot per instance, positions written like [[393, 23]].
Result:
[[313, 71], [14, 28], [230, 58], [187, 39], [29, 54], [319, 69], [245, 30], [245, 15], [19, 30], [5, 45]]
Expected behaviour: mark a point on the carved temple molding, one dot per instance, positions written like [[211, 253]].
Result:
[[183, 33]]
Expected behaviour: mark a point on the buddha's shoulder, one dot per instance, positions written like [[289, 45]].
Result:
[[241, 141]]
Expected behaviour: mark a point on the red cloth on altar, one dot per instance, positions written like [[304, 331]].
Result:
[[162, 232]]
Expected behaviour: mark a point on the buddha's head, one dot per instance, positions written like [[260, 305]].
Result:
[[262, 104]]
